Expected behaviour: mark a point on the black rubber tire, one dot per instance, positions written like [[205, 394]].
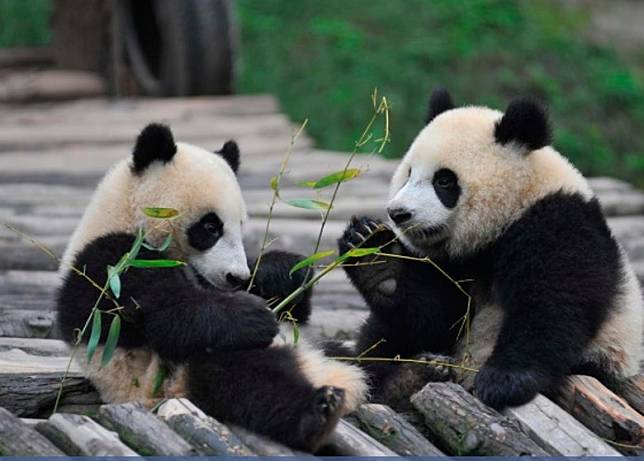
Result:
[[180, 48]]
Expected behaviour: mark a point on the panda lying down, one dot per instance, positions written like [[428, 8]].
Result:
[[484, 196], [220, 343]]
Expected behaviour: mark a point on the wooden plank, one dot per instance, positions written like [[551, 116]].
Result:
[[558, 432], [79, 435], [34, 394], [468, 427], [206, 434], [347, 440], [19, 439], [142, 431], [140, 109], [632, 390], [37, 347], [604, 413], [263, 446], [394, 431]]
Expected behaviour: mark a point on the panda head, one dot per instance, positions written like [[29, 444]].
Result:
[[471, 172], [203, 187]]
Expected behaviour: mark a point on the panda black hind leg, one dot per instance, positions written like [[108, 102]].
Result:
[[263, 391]]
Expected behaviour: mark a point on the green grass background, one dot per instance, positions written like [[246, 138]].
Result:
[[322, 59]]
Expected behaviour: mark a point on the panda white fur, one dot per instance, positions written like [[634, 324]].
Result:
[[194, 320], [484, 196]]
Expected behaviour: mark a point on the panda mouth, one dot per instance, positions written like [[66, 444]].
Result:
[[428, 235]]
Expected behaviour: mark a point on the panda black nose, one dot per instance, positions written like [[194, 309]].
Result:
[[235, 281], [399, 215]]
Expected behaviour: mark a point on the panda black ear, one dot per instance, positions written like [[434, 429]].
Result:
[[154, 143], [230, 153], [439, 102], [525, 122]]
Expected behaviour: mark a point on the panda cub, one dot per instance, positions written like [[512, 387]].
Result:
[[484, 196], [219, 344]]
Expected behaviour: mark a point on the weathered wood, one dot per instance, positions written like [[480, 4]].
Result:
[[19, 361], [558, 432], [604, 413], [19, 439], [263, 446], [394, 431], [468, 427], [633, 392], [34, 394], [36, 347], [79, 435], [347, 440], [206, 434], [142, 431]]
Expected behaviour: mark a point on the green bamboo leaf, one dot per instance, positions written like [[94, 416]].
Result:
[[115, 281], [308, 204], [164, 246], [159, 378], [136, 246], [95, 335], [333, 178], [310, 260], [160, 213], [296, 333], [112, 339], [155, 263], [358, 253]]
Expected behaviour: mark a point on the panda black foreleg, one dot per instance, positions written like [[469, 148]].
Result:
[[263, 391], [274, 282], [376, 277]]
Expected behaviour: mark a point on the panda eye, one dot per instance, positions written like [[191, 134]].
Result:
[[445, 179], [211, 228]]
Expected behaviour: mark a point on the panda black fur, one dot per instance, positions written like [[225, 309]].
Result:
[[221, 344], [485, 197]]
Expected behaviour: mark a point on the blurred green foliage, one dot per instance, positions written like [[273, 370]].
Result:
[[323, 58], [24, 22]]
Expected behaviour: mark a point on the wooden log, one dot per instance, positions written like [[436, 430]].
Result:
[[347, 440], [468, 427], [19, 439], [263, 446], [394, 431], [79, 435], [37, 347], [558, 432], [34, 394], [206, 434], [633, 392], [142, 431], [604, 413]]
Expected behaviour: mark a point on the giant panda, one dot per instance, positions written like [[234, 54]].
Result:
[[489, 204], [218, 344]]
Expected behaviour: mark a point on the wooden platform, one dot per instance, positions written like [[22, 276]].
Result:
[[51, 157]]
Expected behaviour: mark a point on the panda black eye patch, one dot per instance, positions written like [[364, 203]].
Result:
[[445, 184], [204, 233]]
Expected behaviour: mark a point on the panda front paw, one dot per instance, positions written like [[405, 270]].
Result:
[[376, 277], [500, 388], [274, 281], [365, 232]]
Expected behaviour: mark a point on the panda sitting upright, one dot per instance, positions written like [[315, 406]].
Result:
[[219, 343], [484, 196]]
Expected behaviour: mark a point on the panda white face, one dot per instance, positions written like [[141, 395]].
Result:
[[204, 189], [471, 172]]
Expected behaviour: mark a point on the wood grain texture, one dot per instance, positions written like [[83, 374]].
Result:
[[603, 412], [394, 431], [19, 439], [206, 434], [347, 440], [142, 431], [557, 431], [468, 427], [79, 435]]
